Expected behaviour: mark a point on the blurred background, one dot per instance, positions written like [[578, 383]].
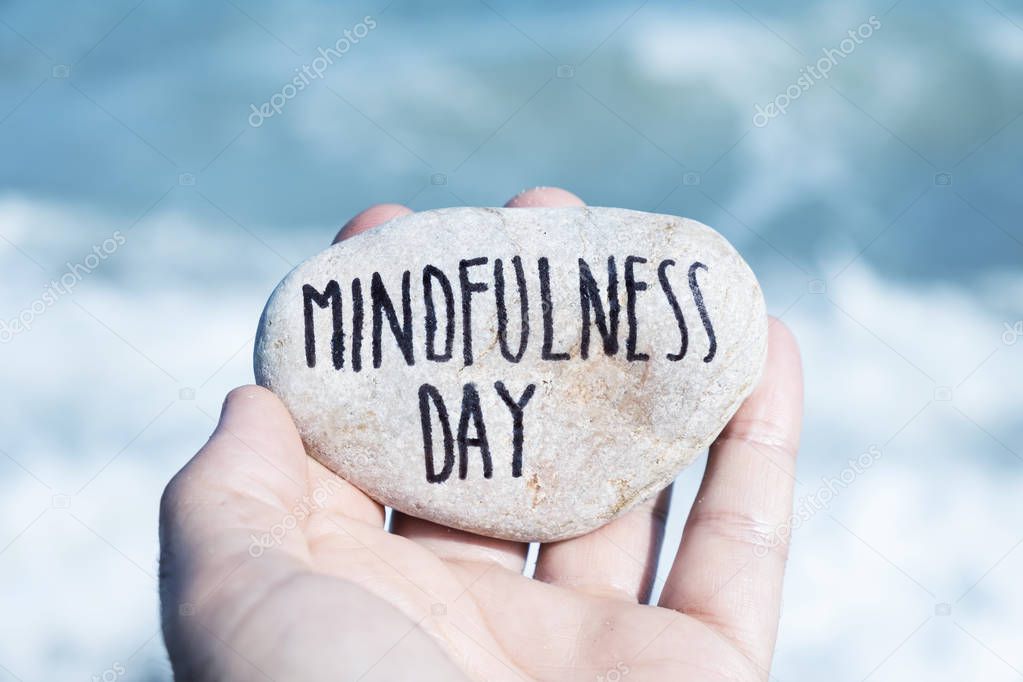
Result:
[[161, 170]]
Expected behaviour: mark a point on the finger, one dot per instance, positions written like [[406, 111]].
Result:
[[544, 196], [461, 546], [244, 485], [729, 568], [232, 540], [239, 485], [371, 217], [618, 560], [244, 477]]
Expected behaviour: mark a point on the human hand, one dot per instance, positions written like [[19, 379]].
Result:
[[337, 596]]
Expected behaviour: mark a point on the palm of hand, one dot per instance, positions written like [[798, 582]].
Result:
[[274, 568]]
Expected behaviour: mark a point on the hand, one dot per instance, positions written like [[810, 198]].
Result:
[[337, 596]]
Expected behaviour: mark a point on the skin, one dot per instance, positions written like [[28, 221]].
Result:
[[340, 597]]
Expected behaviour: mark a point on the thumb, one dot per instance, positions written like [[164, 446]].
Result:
[[224, 522]]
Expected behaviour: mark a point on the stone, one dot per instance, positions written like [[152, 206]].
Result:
[[525, 373]]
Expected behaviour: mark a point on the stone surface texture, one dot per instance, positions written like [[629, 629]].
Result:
[[599, 435]]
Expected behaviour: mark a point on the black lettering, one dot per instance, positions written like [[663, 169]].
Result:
[[632, 286], [548, 312], [662, 275], [516, 407], [382, 305], [431, 273], [590, 300], [426, 394], [331, 296], [356, 325], [471, 411], [704, 317], [502, 309], [468, 288]]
